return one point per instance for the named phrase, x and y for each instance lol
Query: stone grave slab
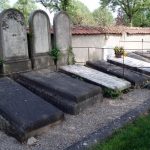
(96, 77)
(13, 43)
(135, 78)
(25, 113)
(131, 63)
(144, 54)
(40, 39)
(68, 94)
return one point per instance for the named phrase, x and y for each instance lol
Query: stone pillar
(62, 34)
(13, 43)
(40, 39)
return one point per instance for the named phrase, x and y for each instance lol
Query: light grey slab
(97, 77)
(132, 62)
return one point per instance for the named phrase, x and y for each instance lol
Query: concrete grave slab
(13, 42)
(135, 78)
(131, 63)
(68, 94)
(40, 39)
(27, 114)
(96, 77)
(144, 54)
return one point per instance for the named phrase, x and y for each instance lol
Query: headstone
(28, 115)
(137, 79)
(13, 42)
(40, 39)
(68, 94)
(96, 77)
(62, 34)
(132, 63)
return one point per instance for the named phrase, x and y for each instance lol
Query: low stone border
(108, 129)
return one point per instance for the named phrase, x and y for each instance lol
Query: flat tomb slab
(135, 78)
(24, 111)
(96, 77)
(135, 64)
(68, 94)
(144, 54)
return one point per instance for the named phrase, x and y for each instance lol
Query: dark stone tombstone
(40, 39)
(62, 34)
(13, 42)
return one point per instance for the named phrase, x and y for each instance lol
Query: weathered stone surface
(137, 56)
(62, 33)
(40, 39)
(25, 112)
(135, 64)
(96, 77)
(135, 78)
(68, 94)
(13, 42)
(144, 54)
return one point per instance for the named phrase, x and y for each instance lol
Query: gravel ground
(74, 128)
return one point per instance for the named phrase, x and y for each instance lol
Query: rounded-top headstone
(62, 31)
(13, 42)
(40, 29)
(13, 37)
(40, 39)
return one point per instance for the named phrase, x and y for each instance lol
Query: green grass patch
(134, 136)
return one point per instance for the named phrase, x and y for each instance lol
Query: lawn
(135, 136)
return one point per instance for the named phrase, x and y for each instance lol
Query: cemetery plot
(135, 78)
(24, 113)
(68, 94)
(131, 63)
(144, 54)
(96, 77)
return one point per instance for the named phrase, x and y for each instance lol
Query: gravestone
(131, 63)
(13, 42)
(40, 39)
(24, 113)
(68, 94)
(137, 79)
(62, 34)
(96, 77)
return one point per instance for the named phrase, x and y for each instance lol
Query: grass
(134, 136)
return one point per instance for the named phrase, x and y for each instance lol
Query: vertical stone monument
(13, 43)
(40, 39)
(62, 34)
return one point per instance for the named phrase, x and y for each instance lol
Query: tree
(4, 4)
(56, 5)
(26, 7)
(103, 17)
(129, 7)
(77, 11)
(142, 18)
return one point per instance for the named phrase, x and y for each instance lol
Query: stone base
(41, 62)
(11, 67)
(137, 79)
(22, 113)
(68, 94)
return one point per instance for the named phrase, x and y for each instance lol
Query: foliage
(119, 50)
(4, 4)
(55, 53)
(80, 14)
(109, 93)
(70, 57)
(133, 136)
(103, 17)
(129, 7)
(26, 7)
(1, 61)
